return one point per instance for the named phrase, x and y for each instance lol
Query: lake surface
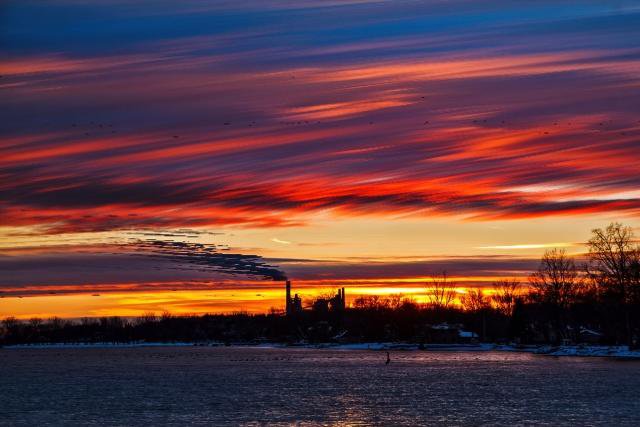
(256, 386)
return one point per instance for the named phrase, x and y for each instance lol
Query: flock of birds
(602, 126)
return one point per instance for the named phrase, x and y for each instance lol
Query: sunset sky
(356, 143)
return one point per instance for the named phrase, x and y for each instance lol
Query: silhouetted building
(447, 333)
(321, 305)
(338, 302)
(288, 297)
(335, 304)
(292, 305)
(590, 336)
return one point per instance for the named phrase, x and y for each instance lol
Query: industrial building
(294, 305)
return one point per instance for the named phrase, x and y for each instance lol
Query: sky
(188, 156)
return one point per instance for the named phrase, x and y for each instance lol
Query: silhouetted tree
(475, 302)
(560, 299)
(555, 285)
(440, 293)
(518, 323)
(505, 294)
(614, 265)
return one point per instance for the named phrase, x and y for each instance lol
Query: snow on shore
(579, 351)
(589, 351)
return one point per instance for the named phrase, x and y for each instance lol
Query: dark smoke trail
(209, 257)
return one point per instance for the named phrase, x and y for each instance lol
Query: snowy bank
(588, 351)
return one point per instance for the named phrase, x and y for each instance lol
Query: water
(252, 386)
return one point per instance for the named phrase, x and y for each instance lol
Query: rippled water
(251, 386)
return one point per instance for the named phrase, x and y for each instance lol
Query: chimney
(288, 296)
(344, 300)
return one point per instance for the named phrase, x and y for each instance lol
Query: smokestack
(288, 300)
(344, 300)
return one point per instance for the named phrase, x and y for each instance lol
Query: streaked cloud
(282, 242)
(274, 118)
(529, 246)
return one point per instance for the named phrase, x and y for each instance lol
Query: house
(442, 333)
(589, 336)
(467, 337)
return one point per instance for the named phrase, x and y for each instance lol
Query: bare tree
(440, 293)
(394, 301)
(557, 284)
(614, 265)
(474, 300)
(477, 303)
(35, 322)
(10, 327)
(557, 280)
(614, 259)
(148, 317)
(275, 311)
(369, 302)
(506, 292)
(391, 302)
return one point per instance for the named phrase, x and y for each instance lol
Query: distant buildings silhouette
(292, 305)
(337, 303)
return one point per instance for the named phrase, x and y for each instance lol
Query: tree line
(594, 298)
(565, 296)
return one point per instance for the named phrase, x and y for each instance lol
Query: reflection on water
(250, 386)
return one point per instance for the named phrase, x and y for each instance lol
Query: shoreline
(614, 352)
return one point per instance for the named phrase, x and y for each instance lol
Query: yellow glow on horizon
(198, 302)
(326, 239)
